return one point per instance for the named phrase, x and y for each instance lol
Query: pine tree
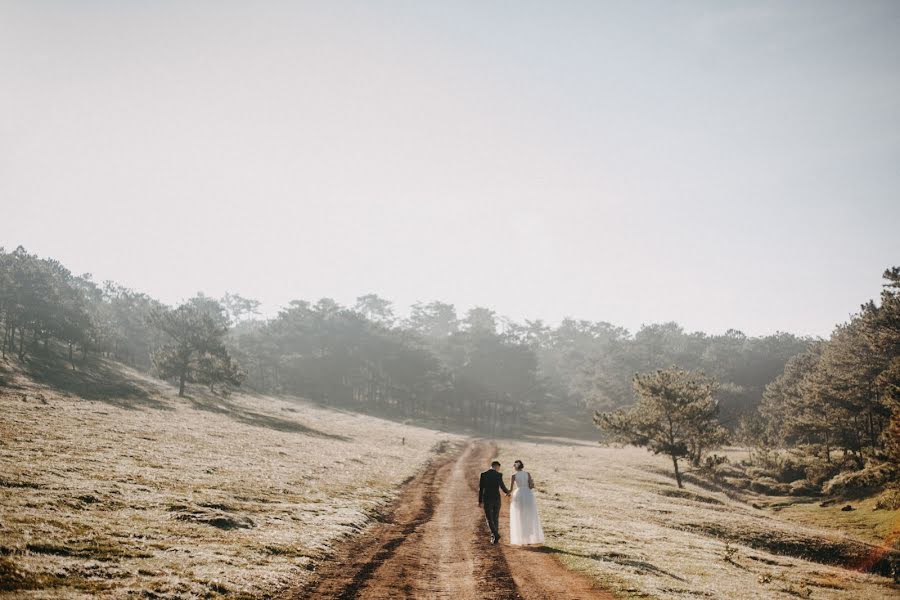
(675, 414)
(197, 350)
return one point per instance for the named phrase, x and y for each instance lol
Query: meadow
(121, 488)
(616, 514)
(157, 496)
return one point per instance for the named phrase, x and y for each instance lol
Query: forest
(836, 406)
(819, 414)
(477, 370)
(830, 422)
(820, 417)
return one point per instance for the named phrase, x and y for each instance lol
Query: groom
(489, 496)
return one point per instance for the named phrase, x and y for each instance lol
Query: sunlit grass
(864, 521)
(204, 496)
(617, 515)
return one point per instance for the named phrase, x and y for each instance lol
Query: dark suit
(489, 497)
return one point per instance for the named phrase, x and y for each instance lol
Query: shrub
(889, 499)
(818, 471)
(714, 460)
(872, 476)
(764, 457)
(727, 470)
(790, 469)
(769, 486)
(757, 472)
(741, 483)
(803, 487)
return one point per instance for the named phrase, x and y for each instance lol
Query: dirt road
(435, 544)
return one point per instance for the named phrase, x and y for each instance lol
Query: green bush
(818, 471)
(889, 499)
(790, 468)
(872, 476)
(769, 486)
(803, 487)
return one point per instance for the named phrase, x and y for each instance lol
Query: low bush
(741, 483)
(769, 486)
(819, 471)
(727, 470)
(803, 487)
(757, 472)
(872, 476)
(790, 468)
(889, 499)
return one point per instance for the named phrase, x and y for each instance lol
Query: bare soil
(435, 544)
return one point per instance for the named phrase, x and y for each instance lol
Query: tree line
(477, 369)
(836, 406)
(43, 305)
(830, 421)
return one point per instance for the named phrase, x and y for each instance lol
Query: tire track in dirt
(434, 544)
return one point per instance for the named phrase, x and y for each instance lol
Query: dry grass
(616, 514)
(865, 521)
(163, 497)
(141, 493)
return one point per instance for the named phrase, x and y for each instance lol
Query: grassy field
(112, 486)
(617, 515)
(138, 492)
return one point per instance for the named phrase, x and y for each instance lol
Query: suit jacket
(489, 487)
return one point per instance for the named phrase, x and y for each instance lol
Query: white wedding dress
(524, 523)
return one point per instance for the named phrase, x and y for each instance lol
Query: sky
(719, 164)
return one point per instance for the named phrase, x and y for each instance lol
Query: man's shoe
(493, 539)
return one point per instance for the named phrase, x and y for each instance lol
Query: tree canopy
(675, 414)
(477, 370)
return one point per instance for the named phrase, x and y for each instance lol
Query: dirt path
(435, 545)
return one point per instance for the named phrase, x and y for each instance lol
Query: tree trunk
(677, 473)
(873, 440)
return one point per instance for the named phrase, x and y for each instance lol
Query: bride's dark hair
(519, 464)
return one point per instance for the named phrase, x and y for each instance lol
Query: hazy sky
(722, 164)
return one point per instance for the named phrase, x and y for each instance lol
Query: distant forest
(475, 370)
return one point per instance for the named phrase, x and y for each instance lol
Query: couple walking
(524, 523)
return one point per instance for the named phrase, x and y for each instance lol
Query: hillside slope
(616, 514)
(137, 491)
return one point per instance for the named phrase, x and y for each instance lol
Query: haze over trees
(477, 369)
(42, 305)
(820, 414)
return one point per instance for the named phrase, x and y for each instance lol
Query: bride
(524, 523)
